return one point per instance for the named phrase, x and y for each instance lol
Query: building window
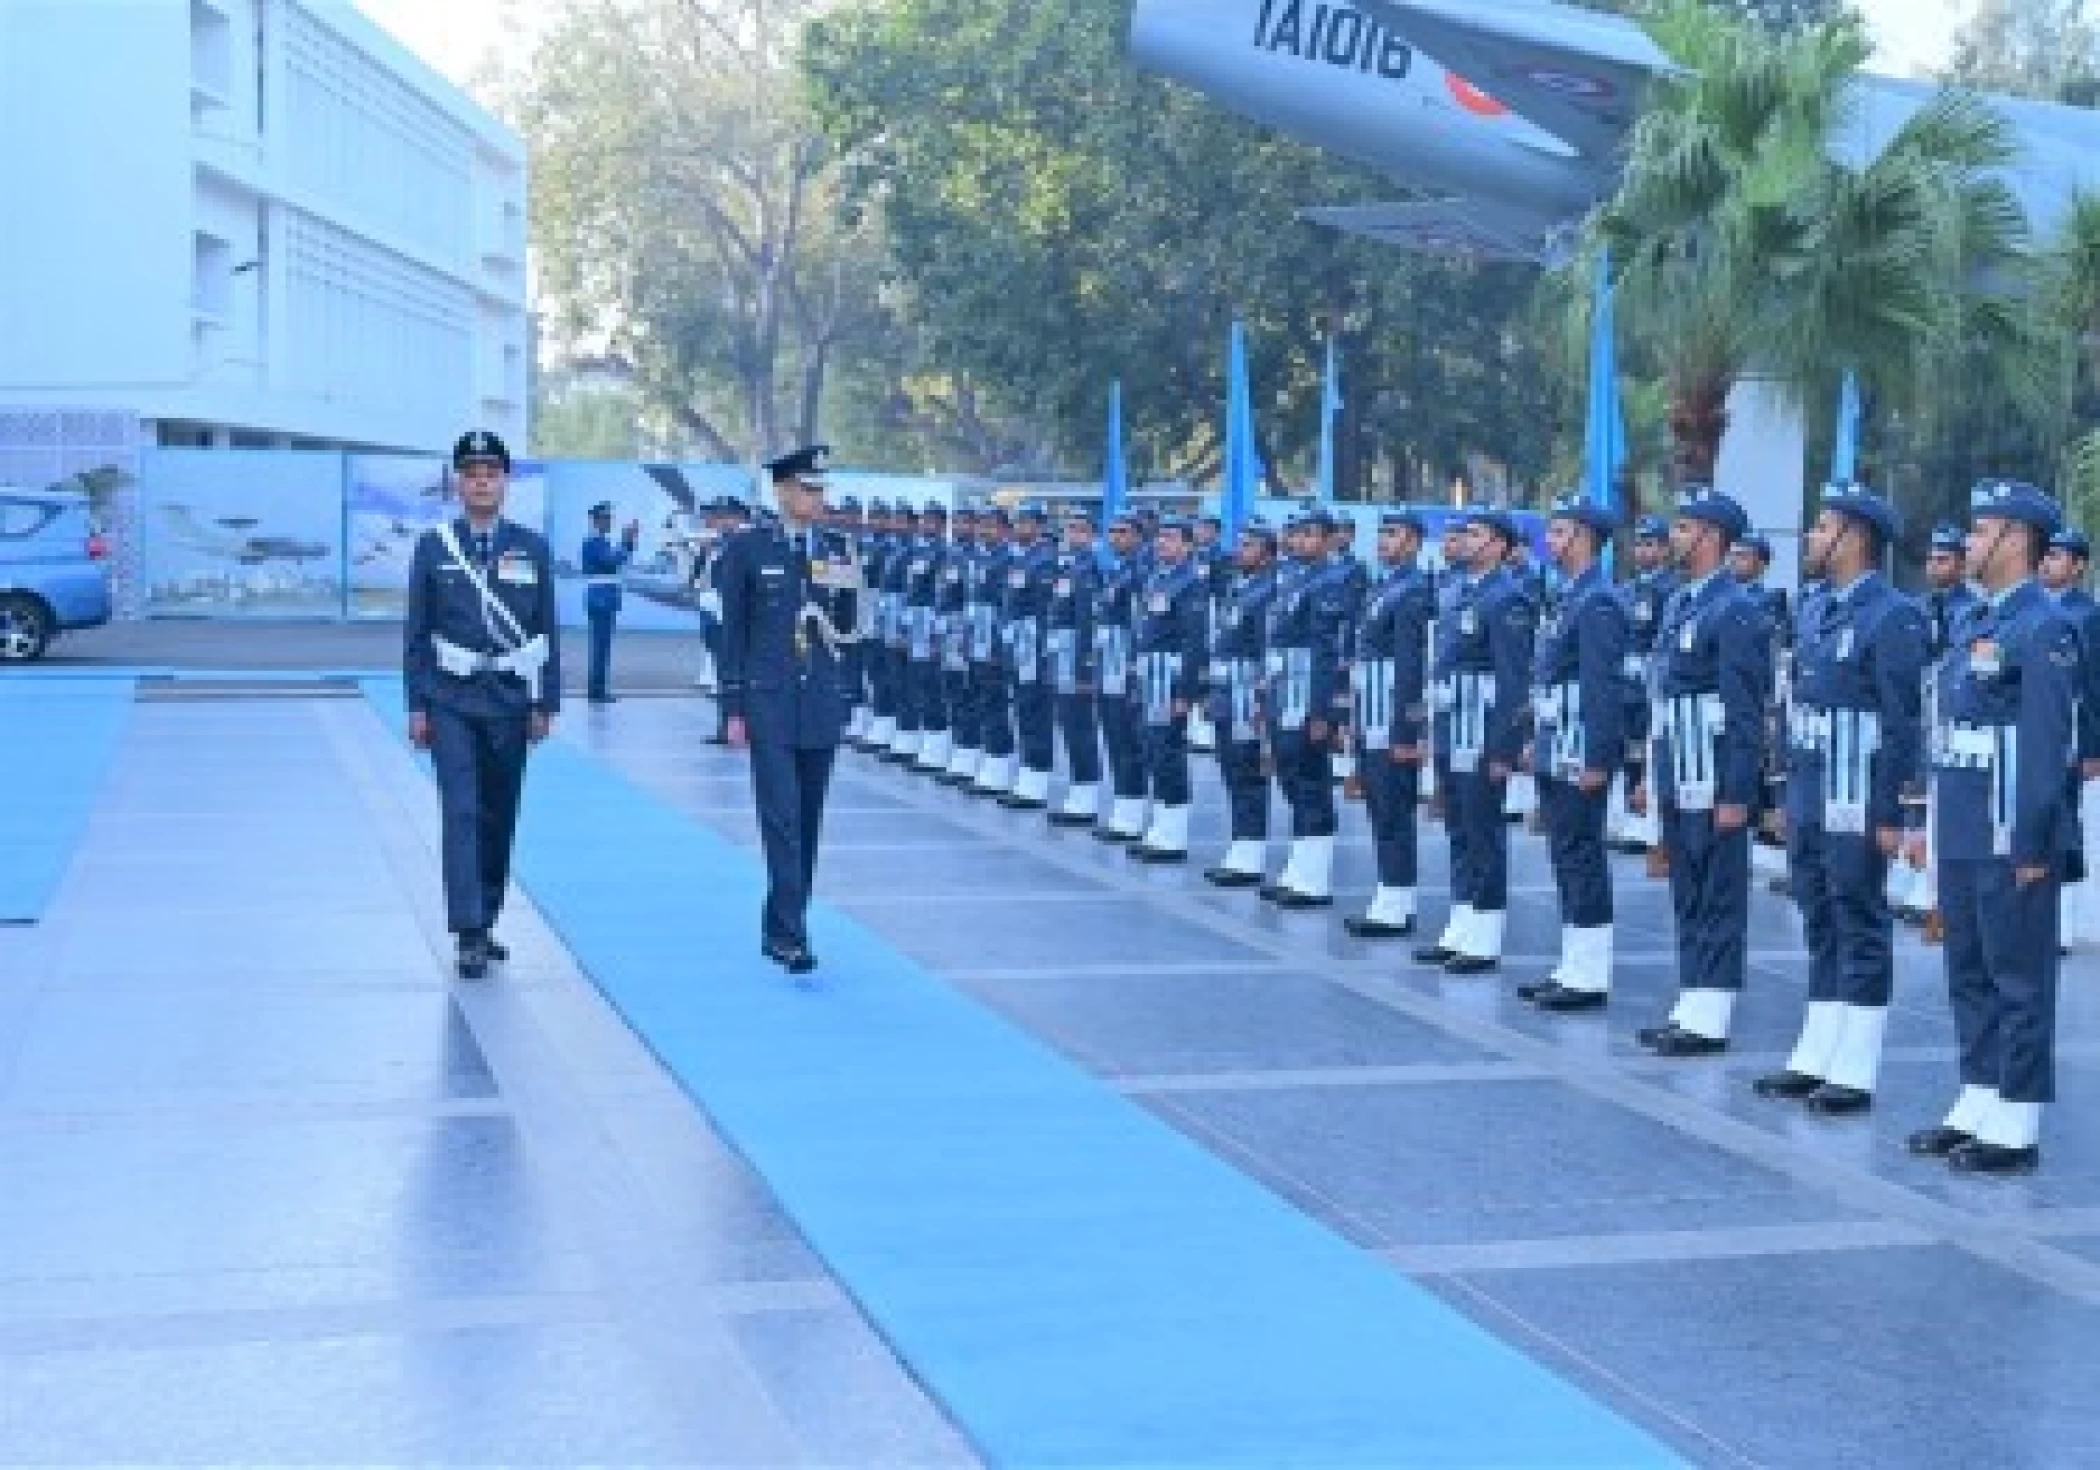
(211, 57)
(211, 275)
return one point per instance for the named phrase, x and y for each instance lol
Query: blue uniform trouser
(600, 673)
(1305, 775)
(1392, 793)
(995, 721)
(882, 690)
(2001, 975)
(480, 765)
(789, 784)
(1479, 840)
(1575, 841)
(930, 700)
(961, 699)
(1079, 724)
(1123, 735)
(1167, 761)
(1710, 894)
(908, 712)
(1035, 724)
(1246, 787)
(1840, 884)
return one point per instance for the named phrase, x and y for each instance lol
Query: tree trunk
(1698, 422)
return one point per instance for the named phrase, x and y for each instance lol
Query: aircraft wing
(1577, 74)
(1436, 227)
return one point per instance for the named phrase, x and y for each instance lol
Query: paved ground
(276, 1190)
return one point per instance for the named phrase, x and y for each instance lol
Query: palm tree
(1746, 246)
(2074, 306)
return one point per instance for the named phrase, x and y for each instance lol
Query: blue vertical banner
(1115, 474)
(1844, 461)
(1604, 432)
(1243, 471)
(1330, 410)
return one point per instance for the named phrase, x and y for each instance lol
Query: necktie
(481, 547)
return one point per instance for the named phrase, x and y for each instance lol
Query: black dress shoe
(1157, 855)
(1533, 989)
(1373, 929)
(604, 699)
(1435, 954)
(1231, 878)
(1070, 819)
(796, 959)
(1787, 1086)
(473, 959)
(1291, 898)
(1270, 892)
(1471, 964)
(1833, 1101)
(1110, 834)
(1938, 1143)
(1631, 849)
(495, 948)
(1978, 1157)
(1022, 803)
(718, 739)
(1678, 1042)
(1561, 1000)
(1650, 1036)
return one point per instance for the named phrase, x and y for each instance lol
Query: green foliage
(1056, 220)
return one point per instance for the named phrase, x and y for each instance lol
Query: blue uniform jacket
(1945, 609)
(442, 601)
(1239, 644)
(951, 605)
(2004, 733)
(1115, 595)
(985, 590)
(2084, 614)
(1579, 675)
(923, 560)
(1172, 627)
(1710, 679)
(1030, 572)
(603, 557)
(1855, 735)
(1068, 621)
(1392, 661)
(1485, 665)
(777, 667)
(1308, 643)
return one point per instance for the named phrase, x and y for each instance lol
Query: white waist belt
(602, 581)
(524, 662)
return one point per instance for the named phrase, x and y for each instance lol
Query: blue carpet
(1074, 1281)
(56, 740)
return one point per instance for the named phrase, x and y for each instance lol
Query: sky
(452, 34)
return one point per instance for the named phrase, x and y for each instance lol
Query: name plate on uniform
(517, 569)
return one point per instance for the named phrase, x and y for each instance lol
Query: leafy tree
(2045, 49)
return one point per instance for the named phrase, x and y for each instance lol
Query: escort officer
(952, 619)
(2005, 732)
(1029, 578)
(1122, 708)
(1578, 743)
(1708, 684)
(2063, 578)
(1070, 658)
(1647, 594)
(990, 683)
(922, 594)
(1856, 744)
(1233, 695)
(1305, 697)
(1390, 672)
(1169, 648)
(1484, 674)
(602, 561)
(481, 667)
(790, 599)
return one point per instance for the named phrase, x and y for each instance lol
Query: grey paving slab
(1918, 1357)
(1492, 1160)
(1121, 1025)
(844, 1392)
(1115, 931)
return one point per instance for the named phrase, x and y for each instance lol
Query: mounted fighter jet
(1503, 118)
(232, 538)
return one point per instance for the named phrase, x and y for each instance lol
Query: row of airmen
(1966, 718)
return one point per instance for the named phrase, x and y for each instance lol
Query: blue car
(54, 576)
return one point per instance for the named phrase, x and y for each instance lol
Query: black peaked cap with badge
(806, 464)
(479, 446)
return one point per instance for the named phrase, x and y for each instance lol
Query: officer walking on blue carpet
(1578, 743)
(603, 561)
(1708, 684)
(481, 668)
(790, 607)
(1855, 745)
(2002, 744)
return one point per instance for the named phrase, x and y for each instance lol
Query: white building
(254, 223)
